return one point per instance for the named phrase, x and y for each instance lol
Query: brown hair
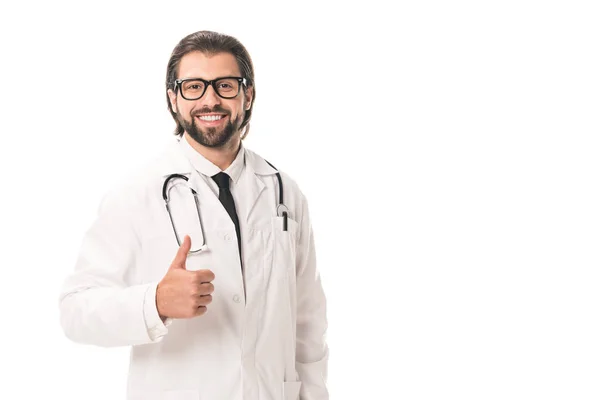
(211, 43)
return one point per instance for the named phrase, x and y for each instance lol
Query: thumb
(182, 252)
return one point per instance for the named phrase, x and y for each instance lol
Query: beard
(211, 137)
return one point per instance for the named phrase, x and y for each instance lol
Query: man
(219, 298)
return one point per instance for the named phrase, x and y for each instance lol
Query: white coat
(263, 335)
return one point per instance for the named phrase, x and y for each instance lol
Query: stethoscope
(282, 210)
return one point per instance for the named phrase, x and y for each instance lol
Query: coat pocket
(284, 247)
(291, 390)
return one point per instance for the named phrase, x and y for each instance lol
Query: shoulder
(262, 166)
(138, 182)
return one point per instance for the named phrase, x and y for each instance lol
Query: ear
(172, 99)
(249, 92)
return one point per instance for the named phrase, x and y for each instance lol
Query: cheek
(237, 108)
(184, 109)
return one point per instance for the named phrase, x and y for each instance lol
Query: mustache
(218, 110)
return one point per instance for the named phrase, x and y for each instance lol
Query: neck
(222, 157)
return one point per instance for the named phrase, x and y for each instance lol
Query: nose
(210, 98)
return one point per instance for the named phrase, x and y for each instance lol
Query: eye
(227, 86)
(194, 86)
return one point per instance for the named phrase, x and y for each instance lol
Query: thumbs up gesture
(182, 293)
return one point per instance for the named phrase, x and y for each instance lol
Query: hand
(182, 293)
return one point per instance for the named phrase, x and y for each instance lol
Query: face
(198, 116)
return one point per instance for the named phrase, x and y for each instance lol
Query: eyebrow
(218, 77)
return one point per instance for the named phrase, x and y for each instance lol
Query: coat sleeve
(312, 351)
(99, 303)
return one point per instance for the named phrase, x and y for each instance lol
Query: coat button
(236, 298)
(228, 237)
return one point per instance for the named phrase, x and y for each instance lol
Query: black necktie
(226, 199)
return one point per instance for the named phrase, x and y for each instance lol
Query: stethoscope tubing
(282, 210)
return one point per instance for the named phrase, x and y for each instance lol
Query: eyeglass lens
(194, 89)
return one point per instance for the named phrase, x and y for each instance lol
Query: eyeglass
(193, 88)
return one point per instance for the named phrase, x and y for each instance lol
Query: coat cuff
(156, 328)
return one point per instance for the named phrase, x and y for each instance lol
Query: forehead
(199, 65)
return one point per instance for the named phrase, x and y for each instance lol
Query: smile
(211, 120)
(210, 117)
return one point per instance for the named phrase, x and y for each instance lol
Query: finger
(206, 288)
(182, 252)
(205, 275)
(204, 300)
(201, 310)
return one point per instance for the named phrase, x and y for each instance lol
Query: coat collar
(175, 161)
(207, 168)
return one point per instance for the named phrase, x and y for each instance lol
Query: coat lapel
(255, 171)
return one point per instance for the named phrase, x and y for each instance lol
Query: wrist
(161, 316)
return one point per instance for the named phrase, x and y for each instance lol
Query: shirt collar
(206, 167)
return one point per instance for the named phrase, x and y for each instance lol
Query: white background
(449, 152)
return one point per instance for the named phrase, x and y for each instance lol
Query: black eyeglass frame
(179, 82)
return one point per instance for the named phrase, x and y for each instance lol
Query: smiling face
(211, 120)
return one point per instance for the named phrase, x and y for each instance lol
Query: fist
(182, 293)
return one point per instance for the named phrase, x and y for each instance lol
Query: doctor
(219, 297)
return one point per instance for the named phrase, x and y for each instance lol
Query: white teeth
(210, 117)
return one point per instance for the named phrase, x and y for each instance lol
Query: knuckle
(196, 279)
